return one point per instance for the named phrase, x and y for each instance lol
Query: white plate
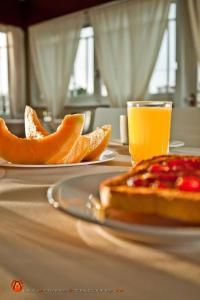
(107, 155)
(71, 196)
(176, 144)
(172, 144)
(186, 151)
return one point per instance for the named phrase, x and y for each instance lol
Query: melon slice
(88, 147)
(33, 127)
(78, 151)
(45, 149)
(35, 130)
(99, 139)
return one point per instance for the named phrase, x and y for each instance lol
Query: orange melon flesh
(78, 151)
(33, 127)
(43, 150)
(87, 147)
(99, 139)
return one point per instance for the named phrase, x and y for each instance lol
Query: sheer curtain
(186, 77)
(53, 46)
(194, 12)
(16, 69)
(128, 36)
(16, 63)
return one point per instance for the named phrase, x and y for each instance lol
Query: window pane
(172, 11)
(4, 100)
(163, 79)
(198, 82)
(104, 92)
(172, 55)
(158, 81)
(82, 80)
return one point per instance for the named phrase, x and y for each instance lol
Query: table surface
(59, 256)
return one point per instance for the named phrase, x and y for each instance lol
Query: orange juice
(149, 131)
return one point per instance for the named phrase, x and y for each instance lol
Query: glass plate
(107, 155)
(71, 196)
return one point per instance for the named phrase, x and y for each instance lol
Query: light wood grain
(47, 249)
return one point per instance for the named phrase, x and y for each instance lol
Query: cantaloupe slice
(33, 127)
(99, 139)
(43, 150)
(88, 147)
(78, 151)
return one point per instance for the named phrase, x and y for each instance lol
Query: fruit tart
(164, 190)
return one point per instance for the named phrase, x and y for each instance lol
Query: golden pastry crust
(183, 206)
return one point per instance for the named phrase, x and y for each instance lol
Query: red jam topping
(161, 185)
(156, 168)
(188, 183)
(182, 173)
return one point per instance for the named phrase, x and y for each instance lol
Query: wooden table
(65, 258)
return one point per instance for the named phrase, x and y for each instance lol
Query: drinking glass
(148, 128)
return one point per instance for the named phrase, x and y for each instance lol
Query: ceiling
(24, 13)
(10, 12)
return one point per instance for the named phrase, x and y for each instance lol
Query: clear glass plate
(71, 196)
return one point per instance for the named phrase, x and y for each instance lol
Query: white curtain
(16, 59)
(53, 46)
(16, 69)
(186, 75)
(194, 12)
(128, 36)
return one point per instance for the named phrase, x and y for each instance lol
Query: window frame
(96, 100)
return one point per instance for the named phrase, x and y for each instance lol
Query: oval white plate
(172, 144)
(107, 155)
(176, 144)
(186, 151)
(71, 196)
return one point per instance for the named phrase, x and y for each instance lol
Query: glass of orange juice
(148, 128)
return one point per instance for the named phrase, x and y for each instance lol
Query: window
(82, 80)
(163, 80)
(198, 86)
(85, 80)
(87, 83)
(4, 88)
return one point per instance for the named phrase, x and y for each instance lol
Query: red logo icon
(17, 285)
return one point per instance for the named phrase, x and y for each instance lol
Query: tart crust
(118, 199)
